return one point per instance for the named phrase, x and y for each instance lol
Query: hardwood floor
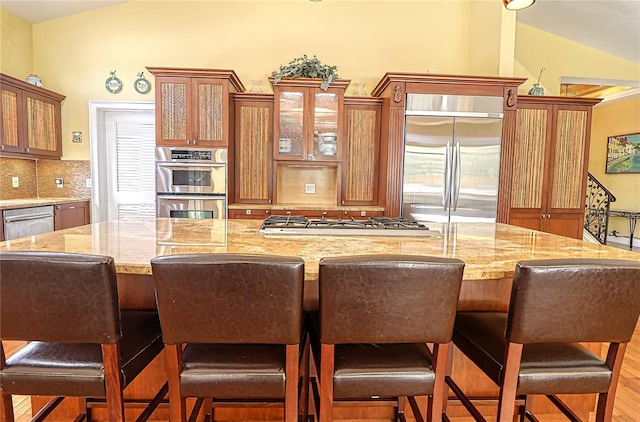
(627, 404)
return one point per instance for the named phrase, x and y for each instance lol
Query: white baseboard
(624, 240)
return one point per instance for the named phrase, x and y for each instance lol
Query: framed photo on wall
(623, 153)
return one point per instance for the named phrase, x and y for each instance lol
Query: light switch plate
(59, 181)
(310, 188)
(87, 183)
(15, 182)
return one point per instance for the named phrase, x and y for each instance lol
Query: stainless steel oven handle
(205, 197)
(26, 217)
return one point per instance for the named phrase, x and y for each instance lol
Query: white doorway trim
(97, 110)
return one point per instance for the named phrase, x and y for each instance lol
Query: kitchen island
(490, 252)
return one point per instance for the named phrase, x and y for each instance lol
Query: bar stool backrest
(229, 298)
(574, 300)
(58, 297)
(388, 299)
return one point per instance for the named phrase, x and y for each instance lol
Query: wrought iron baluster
(596, 214)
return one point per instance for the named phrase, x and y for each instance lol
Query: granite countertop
(489, 250)
(8, 204)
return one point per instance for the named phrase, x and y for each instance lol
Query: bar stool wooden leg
(173, 363)
(509, 382)
(604, 410)
(291, 383)
(113, 381)
(326, 382)
(6, 408)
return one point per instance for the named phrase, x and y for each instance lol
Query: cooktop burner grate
(289, 224)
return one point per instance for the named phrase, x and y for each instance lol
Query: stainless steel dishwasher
(30, 221)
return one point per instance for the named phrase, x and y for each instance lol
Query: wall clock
(113, 83)
(142, 85)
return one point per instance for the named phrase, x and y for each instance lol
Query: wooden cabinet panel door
(43, 128)
(173, 119)
(360, 164)
(10, 128)
(530, 157)
(208, 112)
(564, 224)
(568, 173)
(70, 215)
(253, 152)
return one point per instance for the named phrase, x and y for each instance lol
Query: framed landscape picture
(623, 153)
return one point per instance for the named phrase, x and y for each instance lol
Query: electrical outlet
(15, 182)
(310, 188)
(87, 183)
(59, 181)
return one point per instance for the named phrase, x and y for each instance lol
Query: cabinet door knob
(2, 147)
(188, 142)
(28, 149)
(266, 211)
(194, 142)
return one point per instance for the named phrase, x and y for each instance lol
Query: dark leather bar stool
(80, 343)
(534, 348)
(231, 325)
(377, 314)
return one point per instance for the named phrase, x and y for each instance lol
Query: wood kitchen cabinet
(361, 151)
(550, 164)
(250, 213)
(31, 122)
(308, 120)
(71, 214)
(194, 106)
(253, 163)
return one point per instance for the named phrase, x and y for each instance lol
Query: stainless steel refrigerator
(451, 157)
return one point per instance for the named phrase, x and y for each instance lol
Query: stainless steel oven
(192, 206)
(191, 183)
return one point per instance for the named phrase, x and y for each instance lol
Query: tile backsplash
(36, 178)
(73, 173)
(25, 171)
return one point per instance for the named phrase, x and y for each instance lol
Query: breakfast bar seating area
(489, 252)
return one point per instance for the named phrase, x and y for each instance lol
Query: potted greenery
(304, 67)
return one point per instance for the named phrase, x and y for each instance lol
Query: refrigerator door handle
(446, 194)
(456, 170)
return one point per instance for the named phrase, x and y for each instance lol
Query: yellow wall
(562, 57)
(74, 55)
(16, 45)
(609, 119)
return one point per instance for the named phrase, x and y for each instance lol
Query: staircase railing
(596, 214)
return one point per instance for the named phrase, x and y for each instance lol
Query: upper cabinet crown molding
(391, 78)
(9, 80)
(199, 73)
(567, 101)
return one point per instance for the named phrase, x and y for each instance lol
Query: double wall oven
(191, 183)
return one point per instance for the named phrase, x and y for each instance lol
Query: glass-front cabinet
(308, 120)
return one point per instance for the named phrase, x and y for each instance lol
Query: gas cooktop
(373, 226)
